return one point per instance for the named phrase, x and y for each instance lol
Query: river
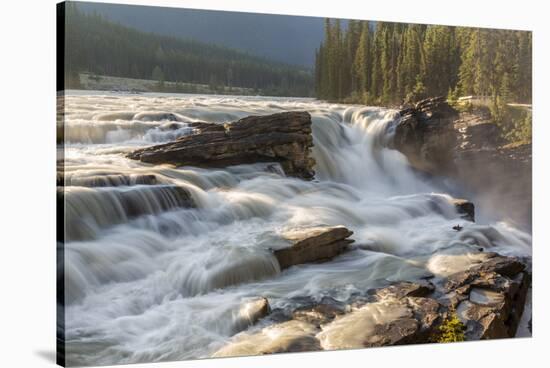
(149, 279)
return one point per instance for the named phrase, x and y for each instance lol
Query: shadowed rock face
(465, 208)
(282, 137)
(469, 148)
(426, 135)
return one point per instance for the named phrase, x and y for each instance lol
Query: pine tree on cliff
(352, 37)
(506, 67)
(386, 64)
(441, 60)
(477, 69)
(330, 81)
(394, 52)
(376, 77)
(411, 61)
(339, 63)
(362, 66)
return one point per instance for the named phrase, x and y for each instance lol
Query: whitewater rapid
(150, 278)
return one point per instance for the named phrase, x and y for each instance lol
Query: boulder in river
(282, 137)
(315, 244)
(465, 208)
(255, 309)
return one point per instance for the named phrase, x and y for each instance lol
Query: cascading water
(154, 272)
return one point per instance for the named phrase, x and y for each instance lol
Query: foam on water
(150, 278)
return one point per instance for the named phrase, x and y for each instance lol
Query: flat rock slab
(315, 244)
(486, 297)
(283, 137)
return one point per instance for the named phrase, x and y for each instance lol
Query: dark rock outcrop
(465, 208)
(282, 137)
(316, 244)
(426, 135)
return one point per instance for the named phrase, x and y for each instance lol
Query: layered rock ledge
(283, 137)
(316, 244)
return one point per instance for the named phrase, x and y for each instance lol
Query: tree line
(97, 46)
(386, 63)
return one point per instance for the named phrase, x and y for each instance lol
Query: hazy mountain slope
(288, 39)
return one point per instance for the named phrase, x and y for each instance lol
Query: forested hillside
(98, 46)
(283, 38)
(392, 63)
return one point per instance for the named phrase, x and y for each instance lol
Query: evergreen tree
(412, 61)
(400, 62)
(362, 62)
(441, 60)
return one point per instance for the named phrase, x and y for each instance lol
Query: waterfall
(160, 259)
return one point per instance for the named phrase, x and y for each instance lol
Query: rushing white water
(149, 278)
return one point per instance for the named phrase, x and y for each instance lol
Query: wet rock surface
(315, 244)
(251, 312)
(287, 337)
(283, 137)
(488, 298)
